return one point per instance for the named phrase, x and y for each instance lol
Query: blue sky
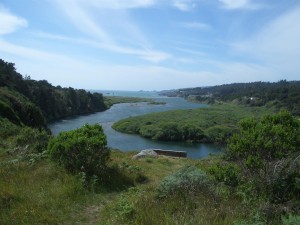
(151, 44)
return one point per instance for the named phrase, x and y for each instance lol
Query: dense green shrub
(191, 132)
(80, 150)
(219, 133)
(18, 109)
(7, 112)
(227, 173)
(7, 128)
(150, 131)
(272, 138)
(187, 180)
(127, 127)
(268, 154)
(170, 131)
(36, 140)
(283, 183)
(291, 220)
(32, 116)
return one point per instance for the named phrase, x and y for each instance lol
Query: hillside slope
(33, 103)
(282, 94)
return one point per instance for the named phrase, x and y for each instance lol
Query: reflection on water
(127, 142)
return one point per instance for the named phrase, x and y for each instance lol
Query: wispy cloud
(104, 36)
(10, 22)
(240, 4)
(82, 20)
(34, 54)
(147, 54)
(277, 44)
(195, 25)
(184, 5)
(190, 51)
(120, 4)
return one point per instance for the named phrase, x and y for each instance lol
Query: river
(129, 142)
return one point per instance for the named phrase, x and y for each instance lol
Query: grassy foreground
(45, 194)
(42, 193)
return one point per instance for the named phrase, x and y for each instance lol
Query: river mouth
(129, 142)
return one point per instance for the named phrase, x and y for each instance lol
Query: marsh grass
(111, 100)
(212, 124)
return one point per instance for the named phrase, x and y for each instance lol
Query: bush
(187, 180)
(7, 112)
(227, 173)
(255, 220)
(283, 182)
(219, 133)
(36, 140)
(272, 138)
(191, 132)
(291, 220)
(80, 150)
(268, 153)
(150, 131)
(7, 128)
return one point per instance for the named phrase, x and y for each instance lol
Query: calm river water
(128, 142)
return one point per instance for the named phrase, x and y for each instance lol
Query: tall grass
(181, 210)
(39, 194)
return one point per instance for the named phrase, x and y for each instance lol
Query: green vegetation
(217, 190)
(81, 150)
(111, 100)
(187, 180)
(282, 94)
(75, 179)
(212, 124)
(272, 138)
(156, 103)
(28, 102)
(19, 109)
(267, 152)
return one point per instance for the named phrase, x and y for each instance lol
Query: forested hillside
(282, 94)
(26, 101)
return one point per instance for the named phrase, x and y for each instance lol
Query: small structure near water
(172, 153)
(155, 152)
